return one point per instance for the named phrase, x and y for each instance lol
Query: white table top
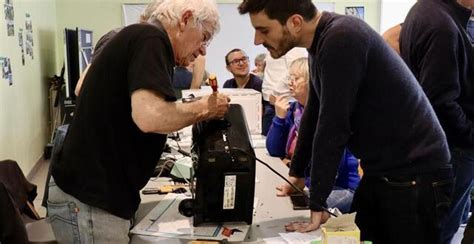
(272, 212)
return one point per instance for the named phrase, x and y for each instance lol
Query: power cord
(281, 176)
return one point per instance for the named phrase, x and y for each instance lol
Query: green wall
(372, 10)
(100, 16)
(24, 109)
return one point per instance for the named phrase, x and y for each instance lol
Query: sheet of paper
(301, 238)
(165, 221)
(275, 240)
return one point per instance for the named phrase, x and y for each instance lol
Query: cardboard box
(249, 99)
(341, 230)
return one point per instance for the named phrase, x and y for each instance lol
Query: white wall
(393, 12)
(236, 32)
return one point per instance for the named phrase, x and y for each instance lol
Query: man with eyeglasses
(237, 63)
(122, 119)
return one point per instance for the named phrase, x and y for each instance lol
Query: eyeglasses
(205, 41)
(292, 78)
(237, 61)
(295, 78)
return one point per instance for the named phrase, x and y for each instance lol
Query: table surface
(271, 214)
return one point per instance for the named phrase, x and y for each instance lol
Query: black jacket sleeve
(440, 78)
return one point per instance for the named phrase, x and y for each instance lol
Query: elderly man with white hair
(126, 108)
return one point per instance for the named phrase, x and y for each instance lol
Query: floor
(39, 179)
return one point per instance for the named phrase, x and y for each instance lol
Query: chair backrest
(21, 190)
(12, 229)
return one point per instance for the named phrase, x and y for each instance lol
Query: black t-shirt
(102, 42)
(106, 159)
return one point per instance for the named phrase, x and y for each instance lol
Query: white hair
(205, 13)
(301, 66)
(148, 11)
(260, 57)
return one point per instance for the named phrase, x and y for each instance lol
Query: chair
(12, 229)
(19, 221)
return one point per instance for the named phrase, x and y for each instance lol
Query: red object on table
(213, 82)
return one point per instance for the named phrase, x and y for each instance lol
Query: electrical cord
(281, 176)
(163, 166)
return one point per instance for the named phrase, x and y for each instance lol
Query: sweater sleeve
(342, 67)
(440, 78)
(277, 136)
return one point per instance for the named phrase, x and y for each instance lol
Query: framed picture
(357, 11)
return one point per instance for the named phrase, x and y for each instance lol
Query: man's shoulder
(429, 14)
(144, 29)
(229, 83)
(255, 78)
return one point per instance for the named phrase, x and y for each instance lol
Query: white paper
(165, 221)
(275, 240)
(301, 238)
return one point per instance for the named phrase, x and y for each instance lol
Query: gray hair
(260, 57)
(301, 66)
(148, 11)
(205, 13)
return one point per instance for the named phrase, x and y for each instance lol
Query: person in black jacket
(436, 47)
(364, 97)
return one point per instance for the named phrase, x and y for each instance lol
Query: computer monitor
(78, 52)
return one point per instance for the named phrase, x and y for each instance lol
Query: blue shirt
(347, 175)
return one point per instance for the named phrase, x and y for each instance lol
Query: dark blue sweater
(254, 83)
(436, 46)
(363, 95)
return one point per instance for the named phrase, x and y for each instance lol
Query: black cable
(274, 171)
(283, 177)
(184, 152)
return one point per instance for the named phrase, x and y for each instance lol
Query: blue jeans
(403, 209)
(463, 163)
(340, 198)
(76, 222)
(59, 136)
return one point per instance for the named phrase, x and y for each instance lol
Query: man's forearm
(179, 115)
(152, 113)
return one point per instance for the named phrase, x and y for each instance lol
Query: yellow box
(331, 236)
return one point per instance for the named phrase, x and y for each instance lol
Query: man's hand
(217, 105)
(281, 106)
(285, 189)
(317, 218)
